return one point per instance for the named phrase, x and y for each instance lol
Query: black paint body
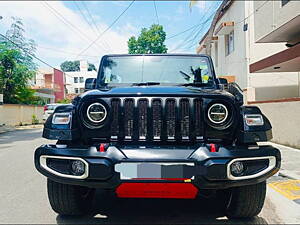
(232, 138)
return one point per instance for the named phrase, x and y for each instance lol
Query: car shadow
(111, 210)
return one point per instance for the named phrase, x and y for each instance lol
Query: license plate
(155, 170)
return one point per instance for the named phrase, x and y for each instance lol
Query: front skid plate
(157, 190)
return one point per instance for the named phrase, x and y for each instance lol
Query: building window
(229, 42)
(76, 90)
(81, 80)
(75, 79)
(284, 2)
(81, 90)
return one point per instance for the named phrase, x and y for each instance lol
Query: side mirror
(90, 83)
(223, 83)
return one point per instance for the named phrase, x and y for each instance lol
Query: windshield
(153, 69)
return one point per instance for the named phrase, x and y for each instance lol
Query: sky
(63, 30)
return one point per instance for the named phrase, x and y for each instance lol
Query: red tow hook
(103, 147)
(213, 148)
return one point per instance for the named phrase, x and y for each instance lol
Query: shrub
(34, 119)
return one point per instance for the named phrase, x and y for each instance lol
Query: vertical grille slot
(170, 118)
(185, 119)
(197, 119)
(115, 108)
(157, 119)
(128, 118)
(142, 118)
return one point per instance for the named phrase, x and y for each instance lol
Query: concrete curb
(289, 175)
(37, 126)
(284, 146)
(4, 129)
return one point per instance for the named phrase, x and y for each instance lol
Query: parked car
(49, 109)
(158, 126)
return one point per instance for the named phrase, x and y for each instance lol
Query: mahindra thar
(158, 126)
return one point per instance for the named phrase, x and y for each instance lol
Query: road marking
(290, 189)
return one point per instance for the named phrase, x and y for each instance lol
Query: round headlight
(217, 113)
(96, 112)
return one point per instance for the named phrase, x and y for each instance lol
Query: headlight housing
(96, 112)
(217, 113)
(61, 118)
(254, 120)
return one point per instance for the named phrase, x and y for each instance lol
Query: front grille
(151, 119)
(142, 118)
(171, 118)
(184, 118)
(157, 119)
(128, 118)
(115, 108)
(197, 118)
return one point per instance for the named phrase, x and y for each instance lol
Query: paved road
(23, 197)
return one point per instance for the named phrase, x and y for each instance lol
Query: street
(24, 198)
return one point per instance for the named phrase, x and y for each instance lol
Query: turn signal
(61, 118)
(254, 120)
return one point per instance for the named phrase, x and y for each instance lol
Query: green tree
(16, 66)
(64, 101)
(91, 67)
(150, 41)
(16, 38)
(71, 66)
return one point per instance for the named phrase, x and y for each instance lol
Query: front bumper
(210, 169)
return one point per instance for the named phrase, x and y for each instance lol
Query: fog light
(78, 167)
(237, 168)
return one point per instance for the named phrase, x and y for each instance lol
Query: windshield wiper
(185, 75)
(145, 84)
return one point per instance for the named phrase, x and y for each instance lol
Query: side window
(284, 2)
(229, 43)
(75, 79)
(81, 80)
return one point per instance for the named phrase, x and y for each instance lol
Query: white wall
(284, 117)
(15, 114)
(269, 85)
(70, 79)
(247, 51)
(235, 64)
(274, 15)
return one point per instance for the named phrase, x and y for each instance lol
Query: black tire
(68, 199)
(246, 201)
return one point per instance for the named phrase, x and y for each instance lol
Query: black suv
(158, 126)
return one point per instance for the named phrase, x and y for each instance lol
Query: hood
(162, 91)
